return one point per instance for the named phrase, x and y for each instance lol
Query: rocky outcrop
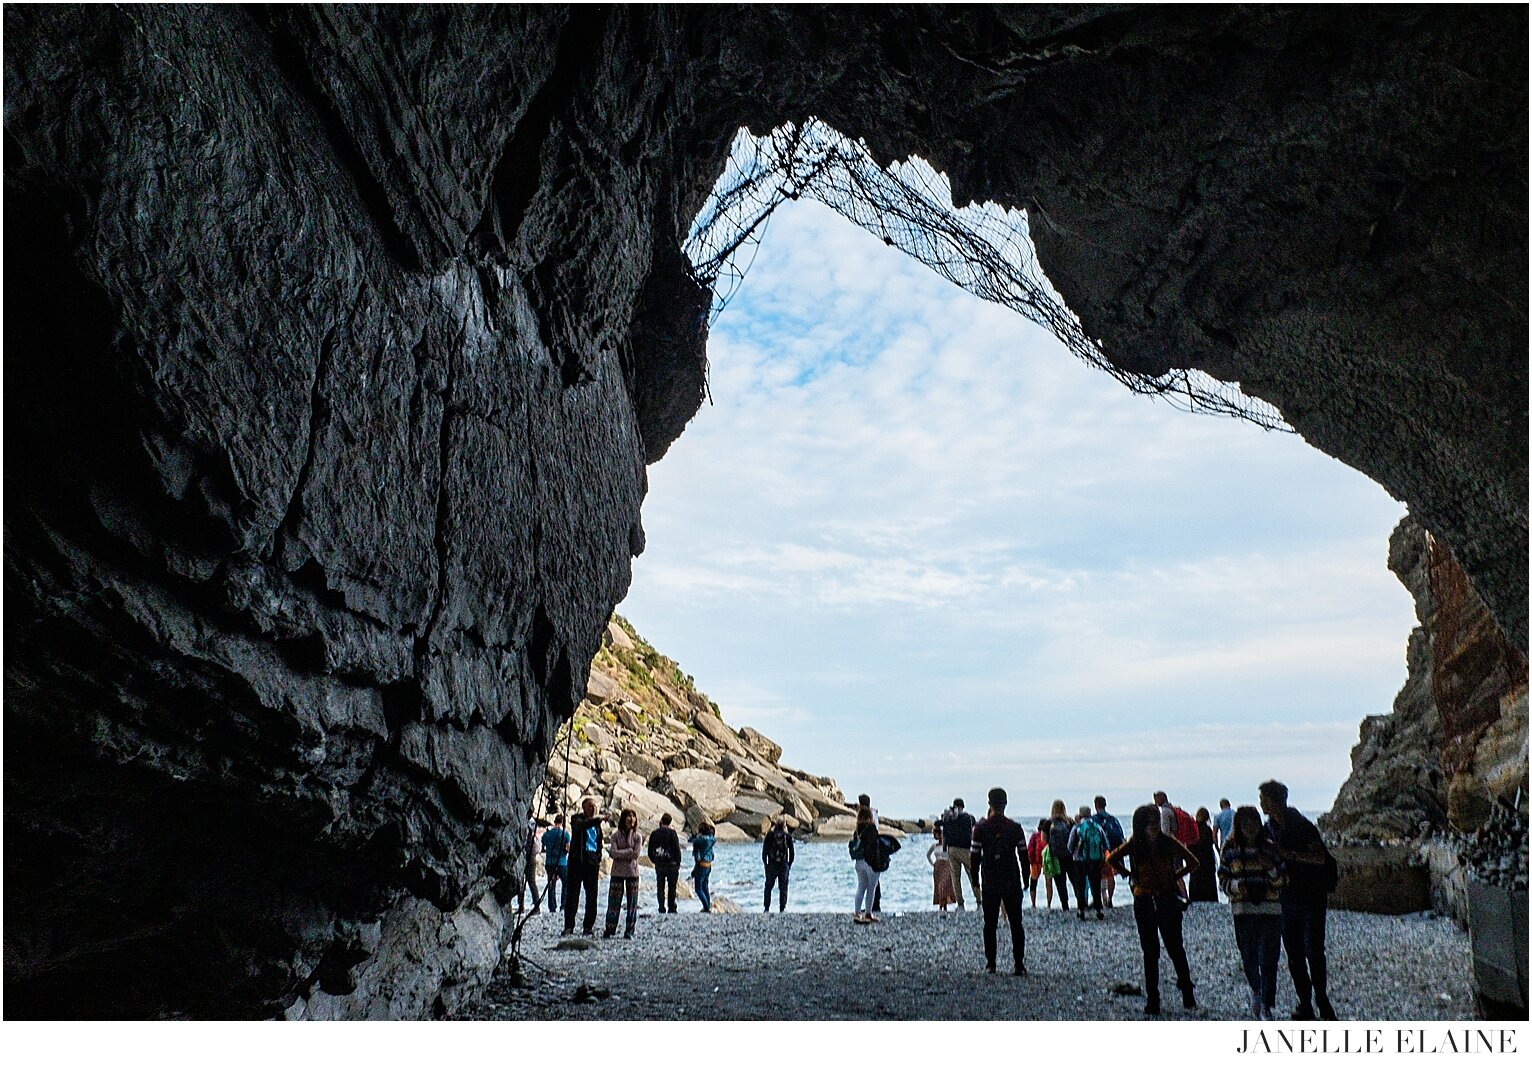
(646, 738)
(1455, 748)
(339, 338)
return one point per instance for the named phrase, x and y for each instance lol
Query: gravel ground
(929, 965)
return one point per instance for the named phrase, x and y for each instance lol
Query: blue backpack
(1111, 827)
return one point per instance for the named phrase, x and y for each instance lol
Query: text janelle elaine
(1450, 1039)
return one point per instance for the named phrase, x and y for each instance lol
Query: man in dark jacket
(777, 854)
(664, 851)
(957, 839)
(1000, 854)
(584, 866)
(1304, 900)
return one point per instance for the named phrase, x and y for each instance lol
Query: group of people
(1276, 875)
(572, 859)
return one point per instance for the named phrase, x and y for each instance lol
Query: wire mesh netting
(984, 249)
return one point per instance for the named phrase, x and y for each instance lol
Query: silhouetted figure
(777, 854)
(665, 854)
(1203, 886)
(1304, 899)
(1000, 852)
(1158, 862)
(584, 866)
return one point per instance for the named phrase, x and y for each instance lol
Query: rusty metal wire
(985, 249)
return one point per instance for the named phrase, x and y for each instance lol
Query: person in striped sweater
(1252, 875)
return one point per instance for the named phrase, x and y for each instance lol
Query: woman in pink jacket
(624, 850)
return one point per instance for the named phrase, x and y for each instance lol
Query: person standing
(702, 862)
(1114, 838)
(1000, 852)
(664, 850)
(1170, 827)
(1304, 899)
(530, 849)
(1158, 861)
(941, 870)
(555, 859)
(1036, 844)
(1204, 883)
(1058, 847)
(777, 854)
(957, 837)
(1087, 848)
(865, 849)
(626, 845)
(1223, 822)
(584, 867)
(865, 801)
(1251, 873)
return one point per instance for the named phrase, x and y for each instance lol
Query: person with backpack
(1176, 823)
(777, 854)
(1114, 838)
(867, 851)
(1037, 844)
(1158, 862)
(555, 858)
(1311, 877)
(702, 862)
(1087, 848)
(1058, 847)
(584, 867)
(1252, 874)
(664, 850)
(957, 837)
(1000, 849)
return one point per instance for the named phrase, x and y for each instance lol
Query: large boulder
(600, 689)
(760, 744)
(703, 790)
(649, 805)
(837, 827)
(644, 766)
(729, 834)
(713, 728)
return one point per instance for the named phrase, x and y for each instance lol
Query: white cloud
(909, 514)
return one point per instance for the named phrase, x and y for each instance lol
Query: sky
(918, 544)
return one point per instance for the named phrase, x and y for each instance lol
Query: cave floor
(929, 965)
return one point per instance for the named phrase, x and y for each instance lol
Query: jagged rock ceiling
(339, 338)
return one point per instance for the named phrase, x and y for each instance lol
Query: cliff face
(1455, 746)
(645, 738)
(339, 338)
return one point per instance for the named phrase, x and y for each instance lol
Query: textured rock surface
(339, 338)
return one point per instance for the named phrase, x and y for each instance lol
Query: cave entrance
(927, 553)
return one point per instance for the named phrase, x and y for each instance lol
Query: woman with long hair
(1059, 826)
(702, 862)
(626, 844)
(941, 871)
(1251, 873)
(1036, 844)
(1158, 860)
(1203, 885)
(865, 847)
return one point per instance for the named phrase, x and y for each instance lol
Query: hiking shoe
(989, 968)
(1100, 914)
(1187, 1000)
(1303, 1013)
(1082, 916)
(1021, 970)
(1326, 1009)
(569, 932)
(1152, 1006)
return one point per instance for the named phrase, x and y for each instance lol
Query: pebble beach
(927, 965)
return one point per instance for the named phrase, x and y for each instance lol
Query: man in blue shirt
(1304, 900)
(555, 858)
(1223, 822)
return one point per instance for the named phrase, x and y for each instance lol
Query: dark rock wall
(339, 337)
(325, 473)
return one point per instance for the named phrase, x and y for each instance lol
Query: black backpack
(1058, 838)
(776, 848)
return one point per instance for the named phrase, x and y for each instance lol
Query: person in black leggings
(1158, 861)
